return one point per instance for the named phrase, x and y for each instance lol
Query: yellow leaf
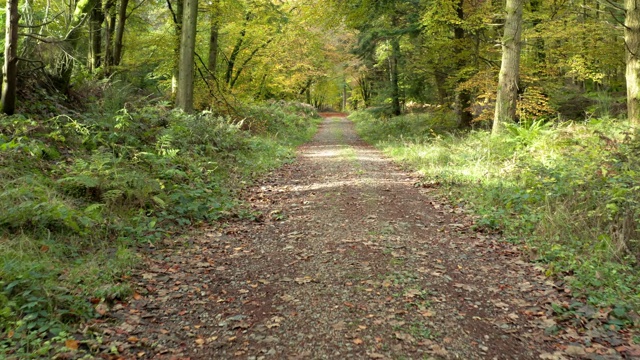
(71, 344)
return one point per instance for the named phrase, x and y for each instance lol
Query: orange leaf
(132, 339)
(357, 341)
(137, 296)
(71, 344)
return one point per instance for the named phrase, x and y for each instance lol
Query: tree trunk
(213, 43)
(10, 68)
(441, 85)
(184, 97)
(464, 97)
(117, 44)
(395, 87)
(95, 37)
(176, 67)
(110, 25)
(509, 70)
(632, 46)
(345, 96)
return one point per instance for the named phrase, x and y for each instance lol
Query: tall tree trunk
(110, 25)
(10, 68)
(395, 87)
(213, 40)
(117, 44)
(464, 97)
(177, 17)
(95, 36)
(632, 46)
(509, 70)
(184, 97)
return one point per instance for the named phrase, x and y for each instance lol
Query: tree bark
(110, 25)
(117, 44)
(632, 47)
(464, 97)
(184, 97)
(213, 41)
(509, 70)
(177, 17)
(213, 49)
(395, 87)
(95, 37)
(10, 68)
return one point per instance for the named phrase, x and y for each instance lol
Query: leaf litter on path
(364, 265)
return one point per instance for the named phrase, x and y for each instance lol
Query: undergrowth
(79, 193)
(569, 191)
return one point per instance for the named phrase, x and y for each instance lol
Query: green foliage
(410, 127)
(78, 191)
(568, 191)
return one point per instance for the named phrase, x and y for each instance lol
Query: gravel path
(346, 259)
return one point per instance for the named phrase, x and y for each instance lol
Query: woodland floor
(349, 260)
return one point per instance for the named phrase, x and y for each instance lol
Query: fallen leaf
(555, 356)
(575, 350)
(375, 356)
(358, 341)
(427, 313)
(404, 337)
(132, 339)
(200, 341)
(439, 350)
(303, 280)
(71, 344)
(102, 308)
(341, 325)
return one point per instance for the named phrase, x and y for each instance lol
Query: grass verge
(568, 192)
(79, 193)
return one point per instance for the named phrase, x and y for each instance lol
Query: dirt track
(346, 259)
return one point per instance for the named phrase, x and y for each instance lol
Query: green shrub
(77, 192)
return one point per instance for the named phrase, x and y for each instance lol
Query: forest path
(348, 260)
